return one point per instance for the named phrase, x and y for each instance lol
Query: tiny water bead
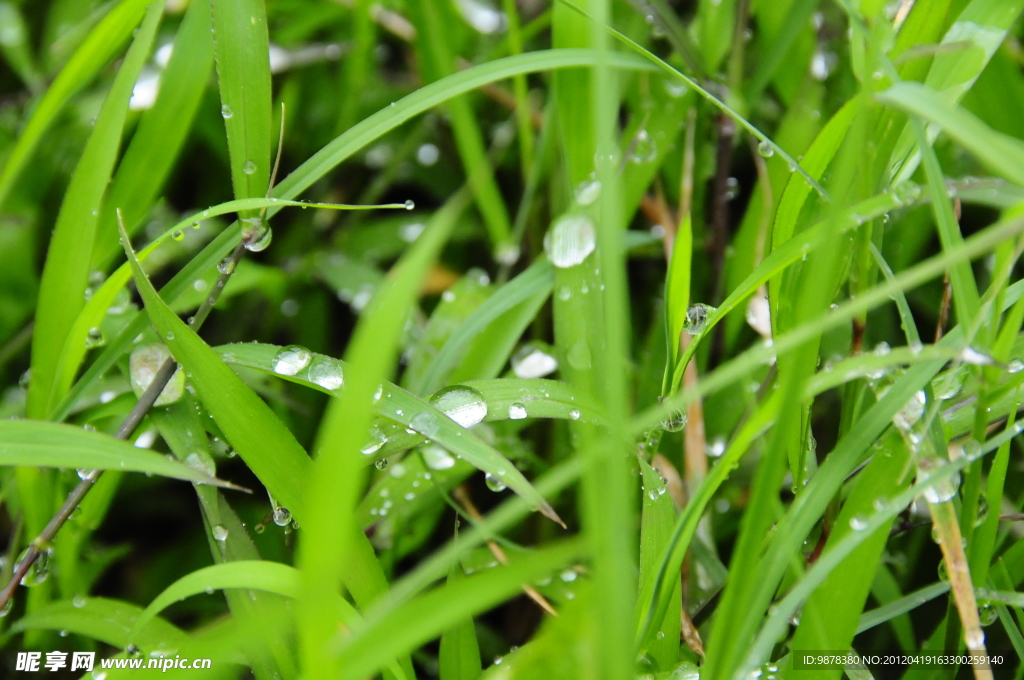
(716, 447)
(574, 414)
(697, 318)
(94, 338)
(766, 149)
(226, 266)
(494, 483)
(643, 149)
(226, 112)
(858, 523)
(144, 363)
(40, 569)
(291, 360)
(570, 240)
(464, 405)
(436, 457)
(220, 533)
(381, 463)
(516, 412)
(249, 167)
(326, 372)
(947, 385)
(943, 485)
(410, 205)
(587, 191)
(969, 355)
(177, 234)
(907, 417)
(425, 422)
(534, 360)
(907, 192)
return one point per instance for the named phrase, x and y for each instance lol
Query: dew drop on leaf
(464, 405)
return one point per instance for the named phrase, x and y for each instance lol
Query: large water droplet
(858, 523)
(969, 355)
(462, 404)
(697, 318)
(766, 149)
(377, 439)
(570, 240)
(220, 533)
(436, 457)
(517, 412)
(425, 422)
(494, 482)
(40, 569)
(291, 360)
(256, 234)
(907, 417)
(534, 360)
(143, 365)
(282, 516)
(226, 112)
(675, 421)
(249, 167)
(716, 447)
(587, 191)
(326, 372)
(381, 464)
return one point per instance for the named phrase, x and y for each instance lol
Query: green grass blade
(242, 50)
(459, 656)
(263, 442)
(656, 526)
(99, 48)
(876, 617)
(677, 287)
(161, 134)
(42, 444)
(70, 252)
(105, 620)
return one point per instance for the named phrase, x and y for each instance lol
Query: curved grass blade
(70, 252)
(108, 621)
(42, 444)
(878, 616)
(98, 49)
(259, 437)
(429, 96)
(411, 411)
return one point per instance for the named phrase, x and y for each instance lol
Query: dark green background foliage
(596, 339)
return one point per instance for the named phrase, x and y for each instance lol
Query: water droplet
(987, 614)
(78, 601)
(579, 355)
(381, 464)
(177, 234)
(643, 150)
(291, 360)
(766, 149)
(464, 405)
(569, 575)
(969, 355)
(974, 638)
(907, 192)
(326, 372)
(95, 338)
(220, 533)
(947, 385)
(675, 421)
(40, 569)
(971, 449)
(574, 414)
(1015, 366)
(534, 360)
(942, 489)
(907, 417)
(716, 447)
(494, 483)
(249, 167)
(570, 240)
(410, 232)
(516, 411)
(436, 457)
(377, 440)
(428, 154)
(697, 318)
(858, 523)
(226, 112)
(226, 266)
(282, 516)
(410, 205)
(144, 363)
(256, 234)
(425, 422)
(587, 191)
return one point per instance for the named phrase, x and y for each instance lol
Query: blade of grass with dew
(656, 523)
(434, 21)
(459, 655)
(242, 52)
(1002, 154)
(830, 615)
(69, 254)
(407, 409)
(95, 308)
(425, 617)
(42, 444)
(102, 619)
(332, 494)
(983, 24)
(536, 280)
(255, 432)
(99, 48)
(161, 134)
(429, 96)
